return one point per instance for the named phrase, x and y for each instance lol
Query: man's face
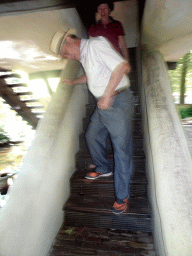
(103, 10)
(68, 49)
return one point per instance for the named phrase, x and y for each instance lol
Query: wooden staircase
(90, 227)
(17, 95)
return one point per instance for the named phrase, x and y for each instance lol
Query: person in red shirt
(109, 28)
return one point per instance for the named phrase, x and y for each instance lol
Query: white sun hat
(59, 39)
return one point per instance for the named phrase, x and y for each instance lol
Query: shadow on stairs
(90, 227)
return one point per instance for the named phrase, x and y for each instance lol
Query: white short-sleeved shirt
(99, 59)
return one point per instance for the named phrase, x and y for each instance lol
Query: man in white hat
(105, 73)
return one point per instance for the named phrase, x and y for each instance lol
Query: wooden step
(35, 106)
(136, 97)
(83, 162)
(133, 76)
(133, 85)
(23, 93)
(17, 85)
(96, 212)
(29, 100)
(98, 241)
(10, 75)
(105, 186)
(133, 59)
(38, 113)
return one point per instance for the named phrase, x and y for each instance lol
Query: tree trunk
(183, 77)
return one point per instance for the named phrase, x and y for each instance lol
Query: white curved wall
(127, 13)
(33, 214)
(168, 160)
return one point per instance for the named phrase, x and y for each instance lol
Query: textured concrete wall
(33, 215)
(127, 13)
(167, 24)
(168, 161)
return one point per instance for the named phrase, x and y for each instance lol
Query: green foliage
(4, 138)
(185, 112)
(175, 78)
(175, 75)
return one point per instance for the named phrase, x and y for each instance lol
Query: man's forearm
(115, 78)
(80, 80)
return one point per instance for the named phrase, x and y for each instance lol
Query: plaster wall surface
(188, 132)
(167, 25)
(168, 160)
(127, 13)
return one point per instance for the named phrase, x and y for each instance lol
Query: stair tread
(85, 187)
(85, 155)
(23, 93)
(17, 85)
(29, 100)
(79, 177)
(92, 241)
(102, 205)
(131, 222)
(83, 163)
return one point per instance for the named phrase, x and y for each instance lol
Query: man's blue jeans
(115, 122)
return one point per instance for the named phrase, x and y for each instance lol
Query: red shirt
(111, 31)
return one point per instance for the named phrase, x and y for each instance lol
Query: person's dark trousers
(116, 122)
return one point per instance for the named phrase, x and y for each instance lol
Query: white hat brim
(70, 31)
(59, 39)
